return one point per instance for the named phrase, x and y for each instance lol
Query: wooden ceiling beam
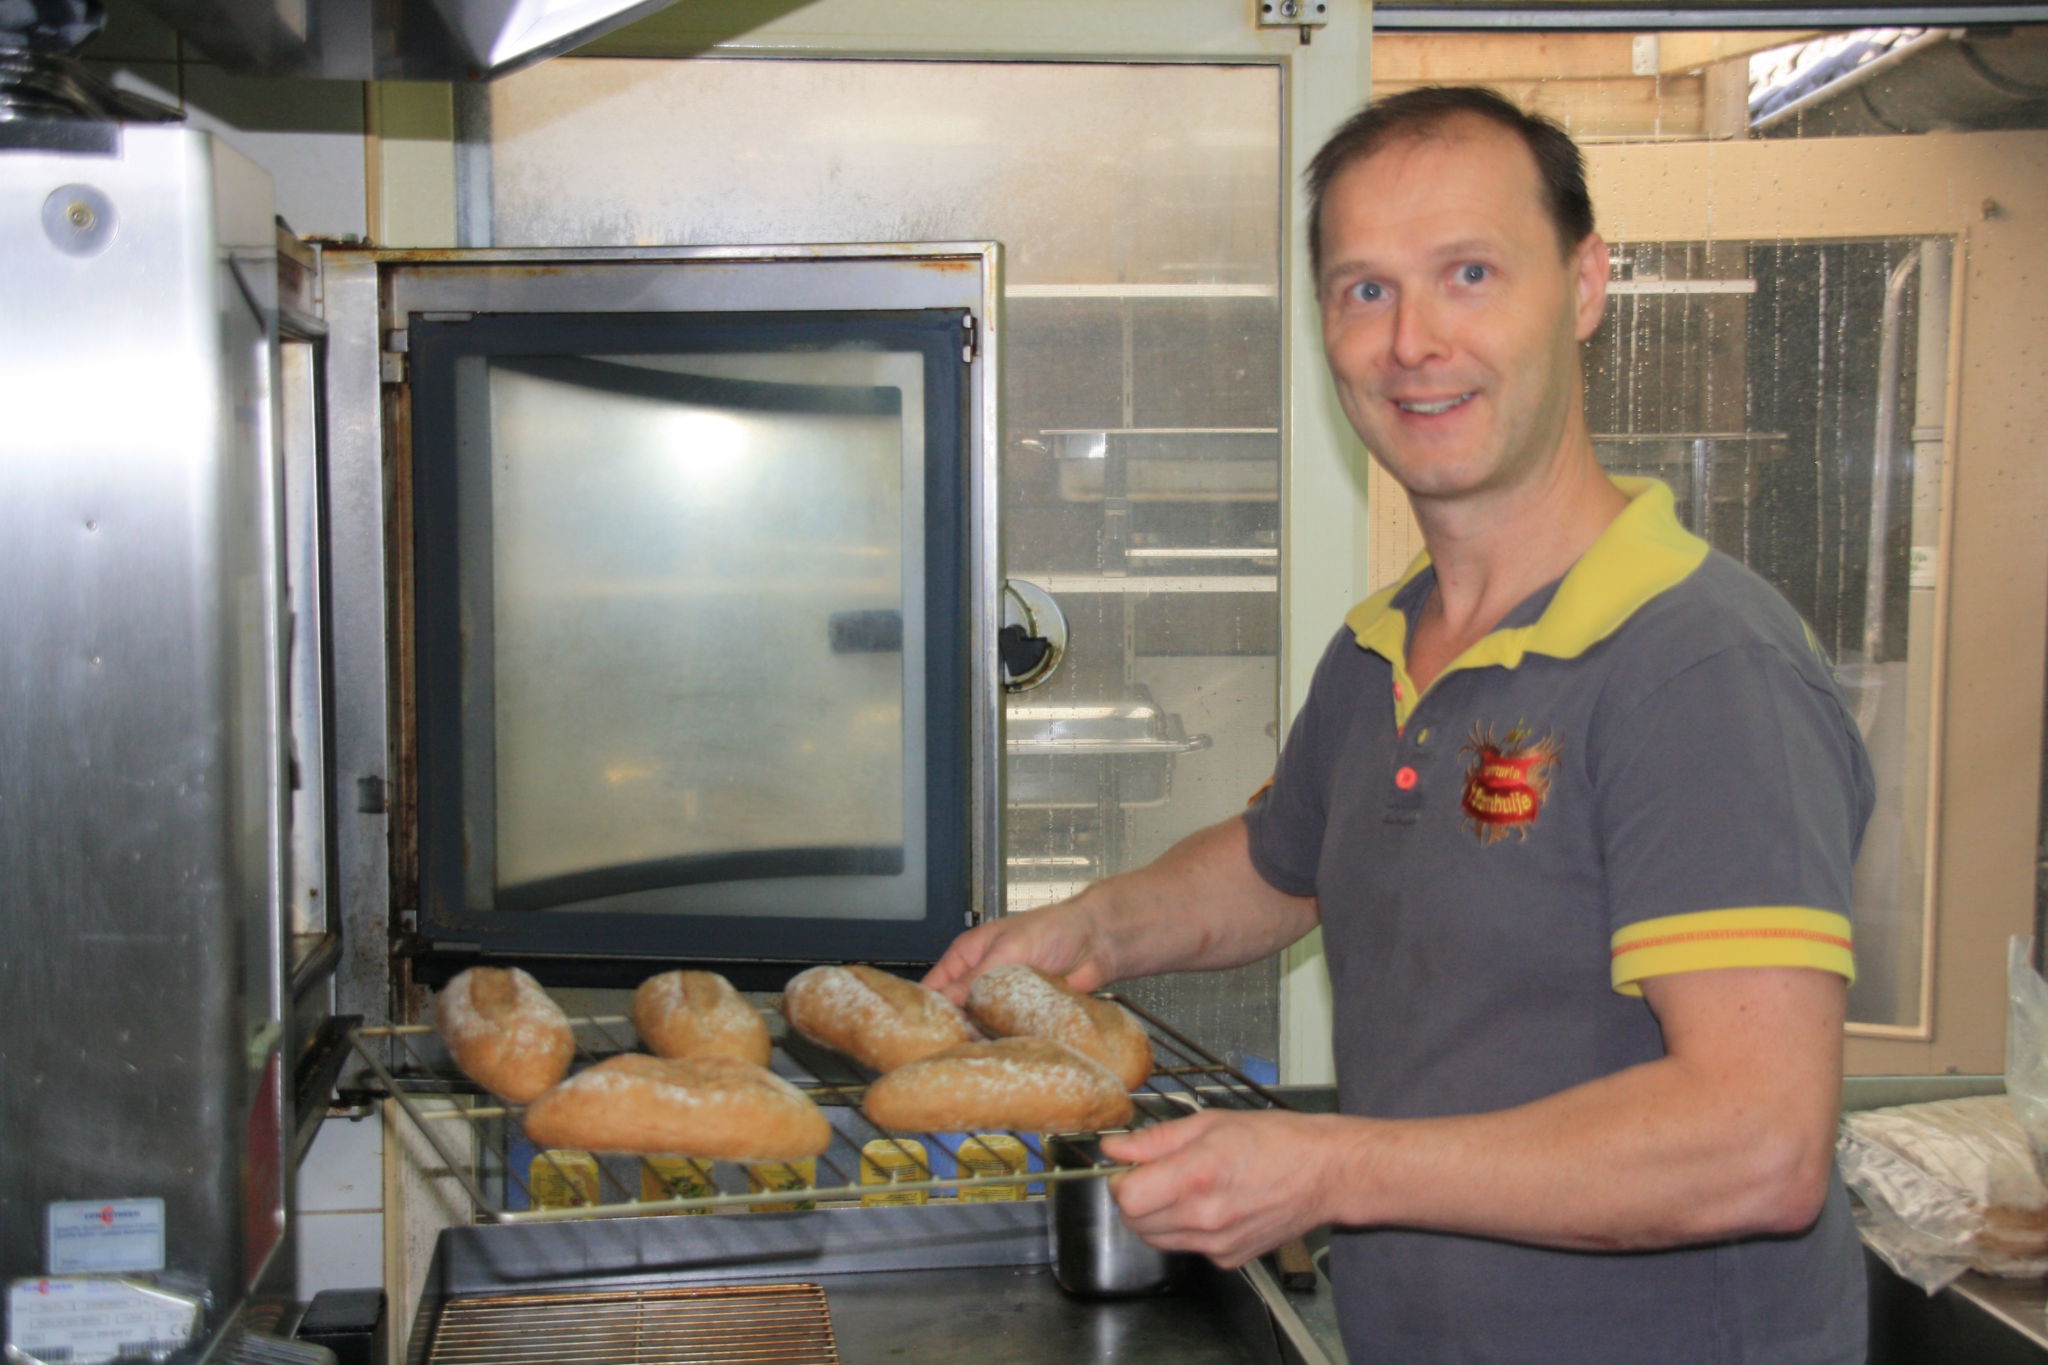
(1678, 52)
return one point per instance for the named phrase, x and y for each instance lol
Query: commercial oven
(687, 644)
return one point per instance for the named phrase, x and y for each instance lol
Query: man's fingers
(963, 960)
(1055, 940)
(1159, 1140)
(1156, 1185)
(1142, 1194)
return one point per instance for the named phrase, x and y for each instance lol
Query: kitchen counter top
(2019, 1305)
(1979, 1319)
(1017, 1315)
(940, 1282)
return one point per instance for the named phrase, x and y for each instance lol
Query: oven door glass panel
(688, 590)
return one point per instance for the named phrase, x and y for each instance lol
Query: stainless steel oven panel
(141, 703)
(367, 349)
(358, 503)
(717, 279)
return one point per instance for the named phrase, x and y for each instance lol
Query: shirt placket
(1415, 740)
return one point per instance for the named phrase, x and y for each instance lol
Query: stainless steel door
(141, 751)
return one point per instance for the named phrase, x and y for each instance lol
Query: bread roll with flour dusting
(713, 1108)
(879, 1020)
(1025, 1002)
(1030, 1084)
(504, 1032)
(699, 1014)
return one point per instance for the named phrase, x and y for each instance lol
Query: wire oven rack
(1186, 1077)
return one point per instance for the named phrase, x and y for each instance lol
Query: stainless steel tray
(406, 1060)
(1076, 754)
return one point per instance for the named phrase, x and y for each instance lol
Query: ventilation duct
(392, 39)
(1910, 82)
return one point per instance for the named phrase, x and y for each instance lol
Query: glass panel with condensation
(1791, 394)
(642, 507)
(1140, 209)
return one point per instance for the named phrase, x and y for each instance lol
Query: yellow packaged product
(993, 1154)
(562, 1179)
(890, 1161)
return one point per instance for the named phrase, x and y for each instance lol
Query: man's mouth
(1434, 408)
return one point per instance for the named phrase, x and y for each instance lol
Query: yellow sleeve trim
(1755, 936)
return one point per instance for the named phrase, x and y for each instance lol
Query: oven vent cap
(361, 40)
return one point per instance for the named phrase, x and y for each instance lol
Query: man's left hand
(1230, 1185)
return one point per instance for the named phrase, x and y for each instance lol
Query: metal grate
(767, 1324)
(1185, 1077)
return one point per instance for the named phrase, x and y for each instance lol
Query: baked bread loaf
(879, 1020)
(504, 1032)
(712, 1108)
(1021, 1001)
(699, 1014)
(1029, 1084)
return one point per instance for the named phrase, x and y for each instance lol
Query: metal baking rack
(1186, 1077)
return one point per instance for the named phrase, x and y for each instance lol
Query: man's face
(1451, 314)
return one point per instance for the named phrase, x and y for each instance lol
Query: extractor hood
(1871, 82)
(439, 40)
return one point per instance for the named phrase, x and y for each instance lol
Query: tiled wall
(308, 134)
(341, 1208)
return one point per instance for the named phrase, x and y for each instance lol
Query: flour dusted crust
(712, 1108)
(504, 1032)
(699, 1014)
(879, 1020)
(1025, 1002)
(1029, 1084)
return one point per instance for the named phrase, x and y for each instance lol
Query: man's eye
(1367, 292)
(1472, 274)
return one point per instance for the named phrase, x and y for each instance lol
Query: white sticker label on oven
(106, 1236)
(85, 1322)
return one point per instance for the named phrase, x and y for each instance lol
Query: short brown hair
(1421, 112)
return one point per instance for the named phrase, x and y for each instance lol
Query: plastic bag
(1921, 1225)
(1947, 1187)
(2026, 1048)
(1958, 1185)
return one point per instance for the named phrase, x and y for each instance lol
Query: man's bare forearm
(1200, 906)
(1729, 1135)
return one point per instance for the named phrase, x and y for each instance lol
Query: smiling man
(1575, 803)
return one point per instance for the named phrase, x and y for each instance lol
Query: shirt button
(1406, 779)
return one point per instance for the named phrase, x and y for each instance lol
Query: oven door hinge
(970, 340)
(398, 343)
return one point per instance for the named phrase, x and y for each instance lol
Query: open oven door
(697, 585)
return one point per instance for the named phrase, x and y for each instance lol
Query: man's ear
(1589, 284)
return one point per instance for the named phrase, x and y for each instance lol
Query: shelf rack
(1187, 1077)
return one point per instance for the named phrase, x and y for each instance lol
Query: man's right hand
(1199, 907)
(1060, 939)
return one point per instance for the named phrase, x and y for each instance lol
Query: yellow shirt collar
(1642, 553)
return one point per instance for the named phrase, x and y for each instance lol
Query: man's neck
(1491, 551)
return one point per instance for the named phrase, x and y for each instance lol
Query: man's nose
(1418, 337)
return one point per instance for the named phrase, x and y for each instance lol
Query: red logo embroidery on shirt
(1508, 782)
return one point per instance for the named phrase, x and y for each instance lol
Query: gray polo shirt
(1646, 768)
